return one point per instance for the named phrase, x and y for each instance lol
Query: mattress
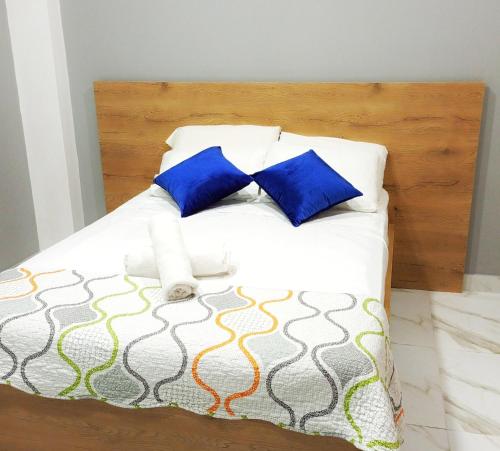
(339, 251)
(296, 335)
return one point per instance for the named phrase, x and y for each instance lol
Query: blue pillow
(305, 185)
(201, 180)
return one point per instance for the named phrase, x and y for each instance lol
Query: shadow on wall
(475, 246)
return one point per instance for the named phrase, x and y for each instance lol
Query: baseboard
(482, 282)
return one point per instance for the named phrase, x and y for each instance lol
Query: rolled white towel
(209, 261)
(172, 259)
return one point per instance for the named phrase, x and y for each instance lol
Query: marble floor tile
(482, 283)
(466, 441)
(421, 438)
(410, 320)
(467, 322)
(471, 389)
(447, 345)
(419, 375)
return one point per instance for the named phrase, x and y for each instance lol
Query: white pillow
(243, 145)
(203, 136)
(362, 164)
(245, 158)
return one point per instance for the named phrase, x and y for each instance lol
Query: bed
(281, 339)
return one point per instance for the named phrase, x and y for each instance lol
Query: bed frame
(431, 131)
(33, 423)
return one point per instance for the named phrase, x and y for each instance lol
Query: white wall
(296, 40)
(18, 235)
(45, 104)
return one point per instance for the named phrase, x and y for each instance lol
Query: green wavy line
(381, 333)
(371, 332)
(388, 445)
(366, 382)
(347, 403)
(109, 363)
(103, 315)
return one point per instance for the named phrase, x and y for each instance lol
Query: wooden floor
(34, 423)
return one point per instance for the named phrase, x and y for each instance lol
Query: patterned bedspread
(318, 363)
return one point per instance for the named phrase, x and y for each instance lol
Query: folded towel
(209, 261)
(172, 259)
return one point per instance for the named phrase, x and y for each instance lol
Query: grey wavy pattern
(291, 361)
(126, 352)
(321, 368)
(395, 406)
(9, 352)
(181, 345)
(23, 315)
(52, 327)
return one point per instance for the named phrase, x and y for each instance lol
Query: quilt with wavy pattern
(318, 363)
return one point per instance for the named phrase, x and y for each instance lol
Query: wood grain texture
(34, 423)
(430, 129)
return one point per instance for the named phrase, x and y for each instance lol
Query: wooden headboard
(430, 129)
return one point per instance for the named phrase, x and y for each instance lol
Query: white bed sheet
(340, 251)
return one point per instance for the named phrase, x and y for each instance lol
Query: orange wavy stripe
(34, 285)
(398, 416)
(26, 272)
(248, 355)
(194, 369)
